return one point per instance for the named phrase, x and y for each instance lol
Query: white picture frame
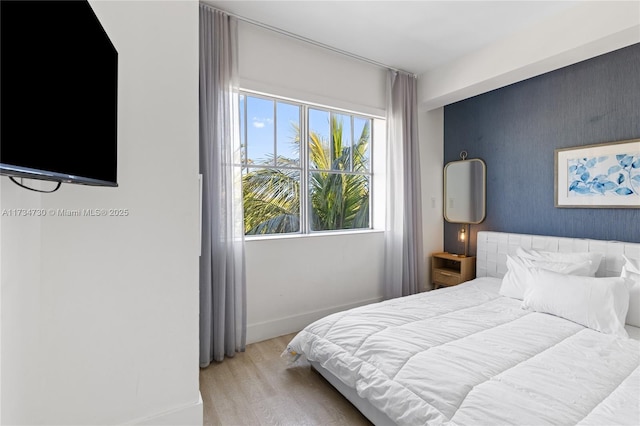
(605, 175)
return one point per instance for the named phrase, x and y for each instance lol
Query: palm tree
(338, 200)
(271, 201)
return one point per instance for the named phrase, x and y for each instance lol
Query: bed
(566, 351)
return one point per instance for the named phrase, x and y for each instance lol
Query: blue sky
(261, 122)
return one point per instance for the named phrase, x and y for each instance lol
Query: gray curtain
(222, 270)
(404, 262)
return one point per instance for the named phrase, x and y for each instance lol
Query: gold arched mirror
(465, 191)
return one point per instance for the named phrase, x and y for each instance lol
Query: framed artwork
(598, 176)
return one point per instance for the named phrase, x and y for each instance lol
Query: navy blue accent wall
(516, 129)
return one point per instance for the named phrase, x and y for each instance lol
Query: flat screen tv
(58, 90)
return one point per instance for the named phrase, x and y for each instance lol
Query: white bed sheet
(467, 356)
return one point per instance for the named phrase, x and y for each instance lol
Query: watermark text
(98, 212)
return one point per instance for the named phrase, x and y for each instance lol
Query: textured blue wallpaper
(516, 129)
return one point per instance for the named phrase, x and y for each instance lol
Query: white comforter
(467, 356)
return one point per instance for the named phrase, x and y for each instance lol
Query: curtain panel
(404, 258)
(222, 261)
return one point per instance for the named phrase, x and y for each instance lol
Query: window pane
(340, 142)
(288, 134)
(271, 201)
(338, 201)
(336, 149)
(319, 151)
(362, 145)
(260, 143)
(243, 141)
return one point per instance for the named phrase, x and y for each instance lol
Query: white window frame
(377, 130)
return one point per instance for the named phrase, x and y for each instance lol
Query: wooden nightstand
(448, 269)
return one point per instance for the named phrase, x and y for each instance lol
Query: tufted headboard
(493, 248)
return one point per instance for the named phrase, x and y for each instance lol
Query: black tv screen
(58, 90)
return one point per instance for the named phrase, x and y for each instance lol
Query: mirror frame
(483, 188)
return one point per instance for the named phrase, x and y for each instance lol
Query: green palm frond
(282, 224)
(269, 194)
(338, 200)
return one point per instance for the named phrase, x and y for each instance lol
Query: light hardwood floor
(258, 387)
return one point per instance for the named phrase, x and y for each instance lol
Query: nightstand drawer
(449, 269)
(446, 278)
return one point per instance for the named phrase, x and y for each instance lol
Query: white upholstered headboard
(493, 248)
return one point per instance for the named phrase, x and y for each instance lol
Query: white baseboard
(258, 332)
(190, 415)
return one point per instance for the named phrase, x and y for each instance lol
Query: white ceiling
(414, 36)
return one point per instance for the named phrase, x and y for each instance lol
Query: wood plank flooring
(258, 387)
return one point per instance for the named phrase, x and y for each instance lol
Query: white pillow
(514, 282)
(631, 271)
(549, 259)
(597, 303)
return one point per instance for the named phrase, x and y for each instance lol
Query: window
(304, 168)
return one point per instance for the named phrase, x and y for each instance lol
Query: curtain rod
(306, 40)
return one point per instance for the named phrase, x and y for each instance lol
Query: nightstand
(449, 269)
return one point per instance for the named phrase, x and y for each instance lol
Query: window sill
(313, 235)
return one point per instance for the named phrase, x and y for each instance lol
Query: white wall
(274, 63)
(431, 134)
(100, 314)
(293, 281)
(20, 300)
